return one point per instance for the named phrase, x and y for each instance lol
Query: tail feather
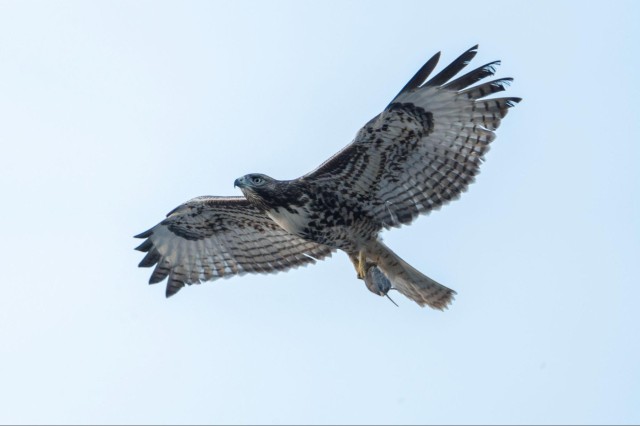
(409, 281)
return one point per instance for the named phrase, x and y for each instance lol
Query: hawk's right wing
(425, 148)
(213, 237)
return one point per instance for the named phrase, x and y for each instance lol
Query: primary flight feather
(422, 151)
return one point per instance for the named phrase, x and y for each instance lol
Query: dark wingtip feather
(473, 76)
(145, 234)
(150, 259)
(513, 101)
(453, 68)
(421, 76)
(486, 89)
(501, 83)
(173, 286)
(145, 246)
(158, 274)
(423, 73)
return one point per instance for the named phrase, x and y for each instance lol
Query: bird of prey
(422, 151)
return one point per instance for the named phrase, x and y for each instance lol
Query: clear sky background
(112, 113)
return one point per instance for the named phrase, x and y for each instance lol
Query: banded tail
(408, 280)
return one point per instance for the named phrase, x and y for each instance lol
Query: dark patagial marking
(425, 118)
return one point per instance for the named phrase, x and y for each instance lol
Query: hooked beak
(240, 182)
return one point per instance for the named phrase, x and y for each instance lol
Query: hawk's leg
(360, 263)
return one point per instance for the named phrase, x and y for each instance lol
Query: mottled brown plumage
(421, 152)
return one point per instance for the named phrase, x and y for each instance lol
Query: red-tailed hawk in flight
(422, 151)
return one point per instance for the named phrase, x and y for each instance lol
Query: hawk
(421, 152)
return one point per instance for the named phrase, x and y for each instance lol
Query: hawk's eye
(256, 180)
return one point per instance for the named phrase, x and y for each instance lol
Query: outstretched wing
(425, 148)
(212, 237)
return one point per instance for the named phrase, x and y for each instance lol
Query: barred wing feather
(213, 237)
(426, 147)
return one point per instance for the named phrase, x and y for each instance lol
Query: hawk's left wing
(214, 237)
(425, 148)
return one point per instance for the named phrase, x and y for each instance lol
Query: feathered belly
(324, 229)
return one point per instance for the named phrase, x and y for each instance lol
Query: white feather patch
(295, 221)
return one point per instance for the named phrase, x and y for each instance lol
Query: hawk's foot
(361, 267)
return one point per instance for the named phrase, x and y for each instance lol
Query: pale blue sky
(112, 113)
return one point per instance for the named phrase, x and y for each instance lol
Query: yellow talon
(360, 267)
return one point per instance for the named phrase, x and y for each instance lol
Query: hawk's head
(253, 182)
(258, 188)
(268, 193)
